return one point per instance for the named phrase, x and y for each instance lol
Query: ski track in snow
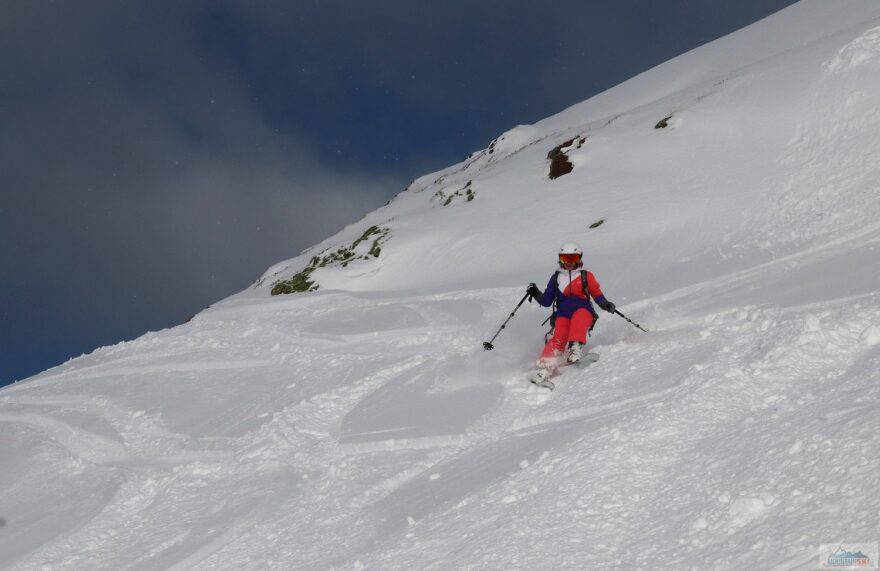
(368, 430)
(740, 368)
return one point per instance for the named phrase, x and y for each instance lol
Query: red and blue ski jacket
(566, 288)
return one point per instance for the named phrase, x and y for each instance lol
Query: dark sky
(158, 156)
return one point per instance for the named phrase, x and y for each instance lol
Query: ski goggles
(569, 258)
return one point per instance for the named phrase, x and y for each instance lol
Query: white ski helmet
(570, 253)
(571, 248)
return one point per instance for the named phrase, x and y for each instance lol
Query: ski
(544, 384)
(587, 359)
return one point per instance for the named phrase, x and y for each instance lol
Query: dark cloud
(140, 180)
(157, 156)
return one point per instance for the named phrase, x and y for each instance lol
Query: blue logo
(842, 558)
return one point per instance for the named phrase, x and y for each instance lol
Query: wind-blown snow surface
(363, 427)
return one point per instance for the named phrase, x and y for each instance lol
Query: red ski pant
(567, 330)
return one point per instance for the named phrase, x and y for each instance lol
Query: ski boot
(540, 376)
(575, 352)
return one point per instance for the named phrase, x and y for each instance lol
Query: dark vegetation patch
(492, 143)
(663, 123)
(364, 248)
(559, 163)
(467, 193)
(298, 283)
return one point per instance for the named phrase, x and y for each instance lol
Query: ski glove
(534, 292)
(606, 305)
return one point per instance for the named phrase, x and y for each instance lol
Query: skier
(570, 288)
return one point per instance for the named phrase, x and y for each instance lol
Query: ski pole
(487, 345)
(630, 320)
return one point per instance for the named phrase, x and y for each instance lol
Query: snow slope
(361, 426)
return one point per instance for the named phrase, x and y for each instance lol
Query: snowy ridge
(361, 426)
